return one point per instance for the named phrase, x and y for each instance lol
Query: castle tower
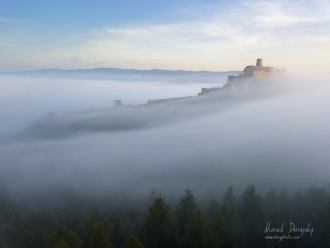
(260, 62)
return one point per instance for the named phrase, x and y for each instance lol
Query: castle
(249, 72)
(243, 79)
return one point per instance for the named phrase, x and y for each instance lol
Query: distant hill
(178, 76)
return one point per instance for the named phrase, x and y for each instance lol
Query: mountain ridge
(116, 70)
(174, 76)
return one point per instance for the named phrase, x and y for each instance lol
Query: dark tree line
(230, 221)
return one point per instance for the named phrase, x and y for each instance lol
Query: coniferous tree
(212, 207)
(298, 208)
(2, 245)
(198, 234)
(99, 238)
(60, 233)
(270, 202)
(321, 220)
(229, 198)
(10, 235)
(70, 239)
(73, 241)
(151, 198)
(224, 227)
(117, 233)
(38, 238)
(273, 214)
(61, 244)
(290, 243)
(5, 208)
(252, 220)
(158, 228)
(89, 226)
(314, 197)
(132, 242)
(185, 211)
(74, 221)
(284, 206)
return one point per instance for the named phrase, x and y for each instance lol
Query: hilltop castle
(244, 79)
(249, 72)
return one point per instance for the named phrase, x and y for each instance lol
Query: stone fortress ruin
(257, 70)
(249, 73)
(244, 79)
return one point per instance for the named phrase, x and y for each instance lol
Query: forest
(234, 219)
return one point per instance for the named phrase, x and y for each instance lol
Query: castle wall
(232, 78)
(165, 100)
(270, 69)
(252, 71)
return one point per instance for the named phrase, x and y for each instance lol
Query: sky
(175, 35)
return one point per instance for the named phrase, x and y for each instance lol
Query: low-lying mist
(274, 135)
(24, 99)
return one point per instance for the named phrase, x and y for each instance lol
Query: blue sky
(186, 35)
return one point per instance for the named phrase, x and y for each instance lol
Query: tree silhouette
(158, 227)
(132, 242)
(198, 234)
(73, 241)
(117, 233)
(224, 227)
(321, 219)
(60, 233)
(252, 220)
(229, 198)
(99, 238)
(185, 211)
(89, 226)
(61, 244)
(38, 238)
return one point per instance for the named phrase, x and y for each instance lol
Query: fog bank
(274, 137)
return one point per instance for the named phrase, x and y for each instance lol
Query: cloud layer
(265, 28)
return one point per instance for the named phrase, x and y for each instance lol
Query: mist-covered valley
(117, 129)
(273, 135)
(234, 161)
